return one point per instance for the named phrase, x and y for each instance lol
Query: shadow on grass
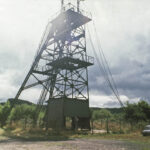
(34, 135)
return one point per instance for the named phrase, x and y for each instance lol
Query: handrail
(70, 6)
(84, 58)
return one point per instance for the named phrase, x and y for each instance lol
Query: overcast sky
(123, 27)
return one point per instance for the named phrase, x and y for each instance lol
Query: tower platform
(71, 63)
(66, 22)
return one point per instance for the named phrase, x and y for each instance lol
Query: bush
(135, 113)
(24, 113)
(4, 113)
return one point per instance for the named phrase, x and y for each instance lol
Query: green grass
(40, 135)
(1, 131)
(132, 137)
(34, 134)
(2, 137)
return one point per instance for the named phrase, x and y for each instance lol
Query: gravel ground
(74, 144)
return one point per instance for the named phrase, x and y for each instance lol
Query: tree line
(132, 116)
(21, 114)
(26, 115)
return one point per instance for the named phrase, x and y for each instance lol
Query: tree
(135, 113)
(96, 116)
(41, 119)
(102, 114)
(4, 113)
(119, 118)
(105, 114)
(1, 108)
(144, 108)
(23, 112)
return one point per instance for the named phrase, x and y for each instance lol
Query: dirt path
(74, 144)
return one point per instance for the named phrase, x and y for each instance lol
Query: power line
(107, 66)
(104, 67)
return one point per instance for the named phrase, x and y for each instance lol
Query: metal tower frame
(63, 50)
(61, 62)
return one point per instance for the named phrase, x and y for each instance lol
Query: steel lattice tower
(62, 60)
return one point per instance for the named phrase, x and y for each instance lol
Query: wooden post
(62, 5)
(107, 126)
(92, 126)
(78, 5)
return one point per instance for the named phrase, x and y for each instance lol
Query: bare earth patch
(74, 144)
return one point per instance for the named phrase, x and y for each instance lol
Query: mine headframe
(62, 59)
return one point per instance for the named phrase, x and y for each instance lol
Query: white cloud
(31, 95)
(6, 88)
(104, 101)
(118, 24)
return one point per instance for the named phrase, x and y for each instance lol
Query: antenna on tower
(62, 5)
(78, 5)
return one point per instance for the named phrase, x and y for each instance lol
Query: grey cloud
(124, 30)
(112, 104)
(131, 74)
(8, 61)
